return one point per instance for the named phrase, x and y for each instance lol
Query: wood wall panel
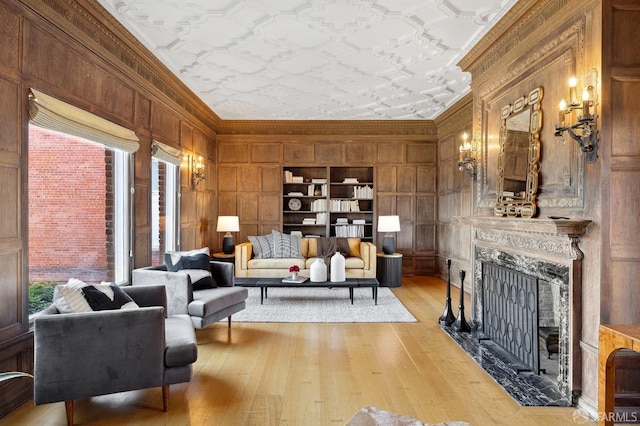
(11, 317)
(165, 125)
(248, 211)
(328, 153)
(360, 153)
(406, 179)
(389, 153)
(624, 113)
(269, 208)
(9, 40)
(385, 179)
(228, 204)
(266, 153)
(624, 18)
(234, 153)
(426, 179)
(426, 208)
(186, 137)
(271, 179)
(249, 179)
(10, 224)
(421, 153)
(297, 153)
(227, 178)
(10, 135)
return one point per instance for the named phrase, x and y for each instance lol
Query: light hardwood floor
(319, 374)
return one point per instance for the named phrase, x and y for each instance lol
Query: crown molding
(328, 127)
(506, 33)
(95, 28)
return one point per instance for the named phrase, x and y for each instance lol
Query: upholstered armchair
(205, 306)
(80, 355)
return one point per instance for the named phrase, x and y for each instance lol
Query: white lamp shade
(388, 223)
(228, 224)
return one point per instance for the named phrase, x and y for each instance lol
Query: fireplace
(521, 302)
(526, 294)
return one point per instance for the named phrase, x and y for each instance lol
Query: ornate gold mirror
(517, 173)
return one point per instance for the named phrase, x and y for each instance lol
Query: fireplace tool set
(447, 318)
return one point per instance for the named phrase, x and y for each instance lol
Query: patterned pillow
(103, 297)
(262, 246)
(196, 265)
(285, 246)
(77, 296)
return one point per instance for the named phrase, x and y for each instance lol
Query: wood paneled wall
(404, 156)
(75, 51)
(455, 190)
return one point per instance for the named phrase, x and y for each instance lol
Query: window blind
(53, 114)
(166, 153)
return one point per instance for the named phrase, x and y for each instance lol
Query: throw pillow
(354, 247)
(262, 246)
(172, 257)
(103, 297)
(197, 266)
(285, 246)
(68, 298)
(77, 296)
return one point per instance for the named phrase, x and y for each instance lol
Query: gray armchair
(205, 306)
(88, 354)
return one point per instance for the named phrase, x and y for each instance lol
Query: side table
(223, 257)
(389, 269)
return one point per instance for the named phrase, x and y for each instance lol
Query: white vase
(337, 268)
(318, 271)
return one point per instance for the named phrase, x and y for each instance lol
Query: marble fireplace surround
(547, 249)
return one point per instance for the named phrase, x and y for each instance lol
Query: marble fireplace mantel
(549, 238)
(547, 249)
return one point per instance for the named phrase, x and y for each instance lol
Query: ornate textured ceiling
(315, 59)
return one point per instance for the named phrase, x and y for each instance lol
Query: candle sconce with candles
(467, 160)
(587, 134)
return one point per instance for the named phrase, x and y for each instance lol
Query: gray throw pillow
(286, 246)
(262, 246)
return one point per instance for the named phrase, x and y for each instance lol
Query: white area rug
(323, 305)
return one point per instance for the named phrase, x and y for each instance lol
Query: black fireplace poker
(447, 317)
(461, 323)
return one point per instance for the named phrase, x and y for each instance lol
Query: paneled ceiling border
(92, 26)
(328, 127)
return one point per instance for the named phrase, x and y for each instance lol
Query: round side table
(389, 269)
(223, 257)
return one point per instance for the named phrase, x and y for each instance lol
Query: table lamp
(228, 224)
(388, 224)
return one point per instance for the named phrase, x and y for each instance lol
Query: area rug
(323, 305)
(372, 416)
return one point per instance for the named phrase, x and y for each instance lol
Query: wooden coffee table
(350, 283)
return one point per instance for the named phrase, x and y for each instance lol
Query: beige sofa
(361, 262)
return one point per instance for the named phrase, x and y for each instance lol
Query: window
(165, 217)
(80, 202)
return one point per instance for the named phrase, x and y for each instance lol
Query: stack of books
(309, 221)
(350, 180)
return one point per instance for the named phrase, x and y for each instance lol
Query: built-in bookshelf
(328, 201)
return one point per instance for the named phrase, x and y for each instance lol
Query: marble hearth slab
(527, 389)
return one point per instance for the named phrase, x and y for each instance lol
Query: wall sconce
(228, 224)
(467, 159)
(197, 172)
(587, 133)
(388, 224)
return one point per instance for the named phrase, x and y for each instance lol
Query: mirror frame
(526, 206)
